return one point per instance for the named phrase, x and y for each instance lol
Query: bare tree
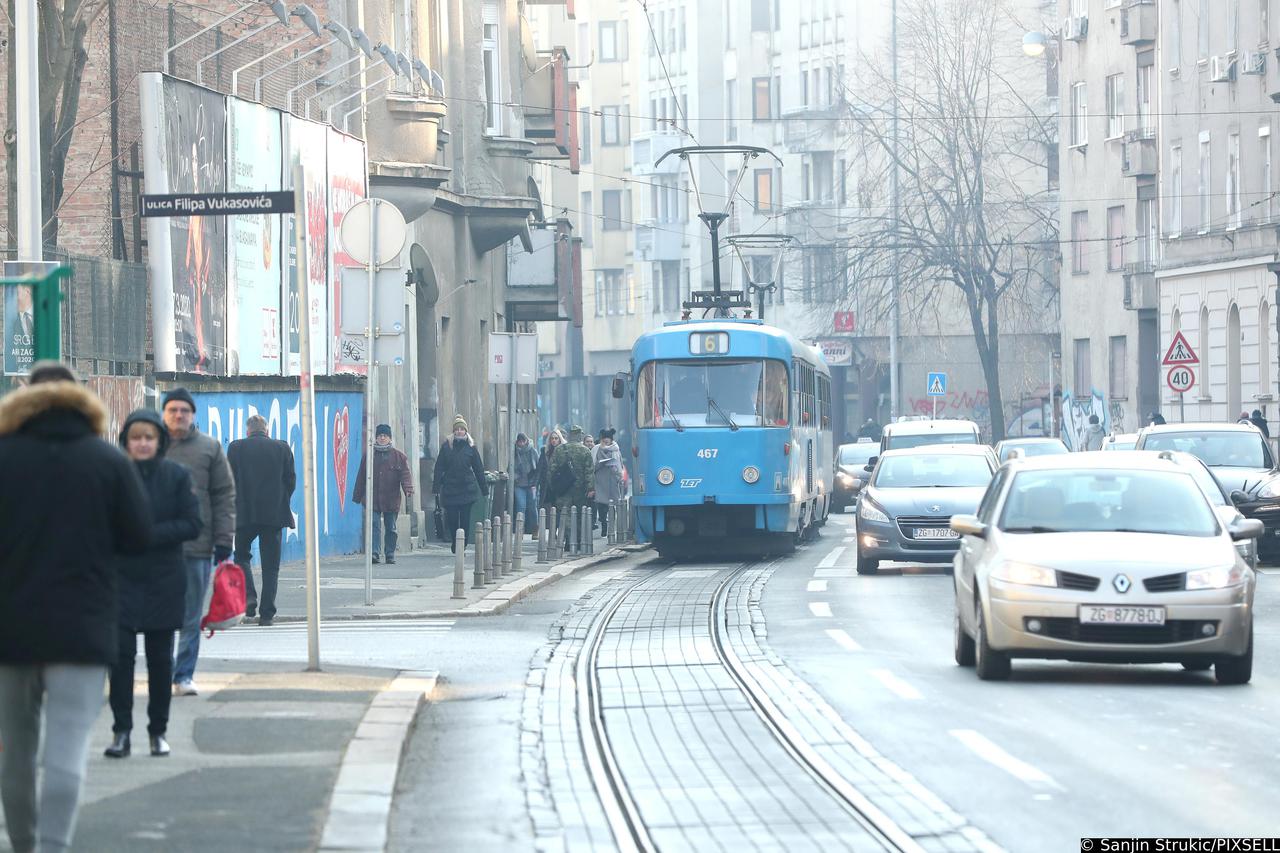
(64, 28)
(976, 223)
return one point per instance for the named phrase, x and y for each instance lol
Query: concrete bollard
(517, 553)
(506, 543)
(589, 526)
(487, 537)
(552, 521)
(495, 547)
(460, 564)
(575, 530)
(478, 580)
(542, 535)
(557, 534)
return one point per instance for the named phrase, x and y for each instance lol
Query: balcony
(1140, 290)
(659, 241)
(549, 107)
(648, 147)
(810, 129)
(1138, 22)
(1139, 156)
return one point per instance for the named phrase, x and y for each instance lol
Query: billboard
(19, 318)
(184, 151)
(307, 145)
(339, 415)
(346, 187)
(253, 256)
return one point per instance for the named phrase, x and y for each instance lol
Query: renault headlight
(1026, 574)
(870, 512)
(844, 479)
(1270, 489)
(1217, 578)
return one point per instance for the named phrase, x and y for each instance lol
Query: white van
(897, 436)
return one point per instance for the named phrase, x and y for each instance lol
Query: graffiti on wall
(1075, 416)
(121, 395)
(1117, 417)
(969, 405)
(222, 415)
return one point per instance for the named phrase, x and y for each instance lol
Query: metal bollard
(460, 564)
(542, 535)
(486, 536)
(553, 524)
(590, 526)
(478, 580)
(506, 543)
(613, 523)
(575, 531)
(517, 554)
(495, 548)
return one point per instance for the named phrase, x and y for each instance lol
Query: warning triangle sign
(1180, 352)
(935, 387)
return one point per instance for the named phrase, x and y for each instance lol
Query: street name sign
(217, 204)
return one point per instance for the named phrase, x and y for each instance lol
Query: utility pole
(897, 248)
(26, 54)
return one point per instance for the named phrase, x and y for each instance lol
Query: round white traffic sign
(357, 233)
(1181, 378)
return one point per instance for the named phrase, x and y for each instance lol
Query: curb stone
(360, 805)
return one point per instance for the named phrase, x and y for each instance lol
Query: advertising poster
(254, 245)
(19, 319)
(307, 143)
(195, 132)
(223, 414)
(346, 187)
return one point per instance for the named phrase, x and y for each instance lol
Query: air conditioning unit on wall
(1222, 69)
(1075, 28)
(1255, 62)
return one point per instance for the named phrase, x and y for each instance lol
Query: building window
(492, 56)
(1079, 244)
(760, 17)
(1145, 90)
(1175, 191)
(1115, 239)
(1234, 212)
(1115, 106)
(1264, 155)
(1083, 374)
(1205, 183)
(1203, 352)
(610, 126)
(762, 99)
(584, 136)
(1233, 20)
(1203, 25)
(1175, 37)
(588, 219)
(1264, 349)
(612, 296)
(764, 190)
(609, 48)
(804, 179)
(1147, 227)
(1118, 373)
(731, 109)
(1079, 114)
(611, 210)
(729, 6)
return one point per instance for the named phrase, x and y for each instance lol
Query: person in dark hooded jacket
(1258, 420)
(459, 480)
(153, 586)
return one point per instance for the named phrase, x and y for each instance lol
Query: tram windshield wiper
(666, 408)
(711, 402)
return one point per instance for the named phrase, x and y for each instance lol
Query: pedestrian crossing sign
(937, 385)
(1180, 352)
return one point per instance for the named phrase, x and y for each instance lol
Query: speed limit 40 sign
(1181, 378)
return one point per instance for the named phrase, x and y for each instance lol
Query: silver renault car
(1112, 557)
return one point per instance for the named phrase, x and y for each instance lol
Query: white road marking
(843, 639)
(993, 754)
(820, 609)
(897, 685)
(817, 586)
(830, 560)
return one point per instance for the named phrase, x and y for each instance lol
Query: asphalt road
(1063, 750)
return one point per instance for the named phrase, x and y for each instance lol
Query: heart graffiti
(341, 452)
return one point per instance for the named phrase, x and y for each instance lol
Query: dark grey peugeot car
(904, 513)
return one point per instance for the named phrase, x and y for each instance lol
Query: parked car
(1120, 441)
(1102, 557)
(1030, 447)
(851, 472)
(918, 433)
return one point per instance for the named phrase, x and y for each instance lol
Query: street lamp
(1034, 44)
(717, 301)
(308, 17)
(282, 16)
(750, 246)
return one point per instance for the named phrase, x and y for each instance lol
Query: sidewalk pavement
(420, 584)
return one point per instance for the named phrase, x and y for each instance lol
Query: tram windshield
(720, 393)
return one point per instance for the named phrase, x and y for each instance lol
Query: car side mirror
(871, 464)
(1239, 497)
(619, 386)
(968, 525)
(1246, 528)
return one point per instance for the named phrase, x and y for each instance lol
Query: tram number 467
(708, 453)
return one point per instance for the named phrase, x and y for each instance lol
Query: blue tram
(732, 443)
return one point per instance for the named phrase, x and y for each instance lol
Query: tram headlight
(751, 474)
(666, 476)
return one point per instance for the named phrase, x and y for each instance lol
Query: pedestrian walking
(546, 494)
(1093, 434)
(571, 474)
(72, 505)
(265, 480)
(1244, 419)
(525, 467)
(606, 476)
(215, 489)
(459, 480)
(152, 587)
(1257, 419)
(1155, 419)
(588, 441)
(871, 430)
(390, 477)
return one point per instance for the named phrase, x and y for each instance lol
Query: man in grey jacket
(216, 492)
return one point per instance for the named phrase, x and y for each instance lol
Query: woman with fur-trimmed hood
(70, 505)
(459, 480)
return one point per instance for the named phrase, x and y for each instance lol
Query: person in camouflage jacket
(572, 460)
